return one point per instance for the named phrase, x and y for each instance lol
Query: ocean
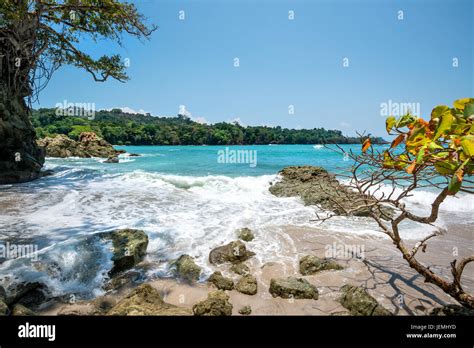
(188, 199)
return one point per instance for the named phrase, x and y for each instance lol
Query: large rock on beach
(234, 252)
(89, 145)
(216, 304)
(452, 310)
(146, 300)
(245, 234)
(311, 264)
(292, 287)
(221, 282)
(247, 284)
(358, 301)
(187, 269)
(129, 248)
(316, 186)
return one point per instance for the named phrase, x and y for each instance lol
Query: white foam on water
(180, 214)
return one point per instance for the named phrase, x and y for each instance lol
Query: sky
(337, 64)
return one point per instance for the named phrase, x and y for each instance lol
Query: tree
(36, 38)
(439, 154)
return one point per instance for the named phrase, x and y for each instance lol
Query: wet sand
(382, 272)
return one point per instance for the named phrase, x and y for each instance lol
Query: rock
(134, 155)
(310, 264)
(358, 301)
(234, 252)
(247, 285)
(29, 294)
(20, 311)
(316, 186)
(3, 308)
(240, 268)
(112, 160)
(122, 280)
(452, 310)
(246, 310)
(145, 300)
(3, 294)
(293, 288)
(187, 269)
(89, 145)
(129, 248)
(245, 234)
(216, 304)
(221, 282)
(80, 309)
(21, 158)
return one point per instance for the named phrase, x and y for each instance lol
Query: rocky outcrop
(245, 310)
(293, 288)
(247, 285)
(452, 310)
(240, 268)
(89, 145)
(310, 264)
(29, 294)
(358, 301)
(216, 304)
(221, 282)
(129, 248)
(316, 186)
(145, 300)
(245, 234)
(20, 310)
(3, 300)
(234, 252)
(187, 269)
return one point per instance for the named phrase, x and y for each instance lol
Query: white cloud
(200, 120)
(128, 110)
(344, 124)
(237, 120)
(182, 111)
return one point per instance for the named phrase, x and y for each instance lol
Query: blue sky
(287, 64)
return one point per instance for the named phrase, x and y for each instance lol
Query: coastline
(383, 273)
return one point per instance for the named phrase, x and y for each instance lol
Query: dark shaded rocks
(245, 234)
(216, 304)
(240, 268)
(292, 287)
(221, 282)
(3, 308)
(310, 264)
(20, 310)
(129, 248)
(452, 310)
(358, 301)
(134, 155)
(245, 310)
(247, 284)
(29, 294)
(121, 280)
(113, 159)
(187, 269)
(89, 145)
(21, 158)
(316, 186)
(234, 252)
(145, 300)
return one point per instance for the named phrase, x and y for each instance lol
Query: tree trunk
(20, 157)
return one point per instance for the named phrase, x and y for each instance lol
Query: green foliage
(445, 144)
(126, 129)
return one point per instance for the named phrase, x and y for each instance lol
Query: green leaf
(454, 185)
(446, 121)
(438, 111)
(469, 110)
(389, 123)
(467, 144)
(461, 103)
